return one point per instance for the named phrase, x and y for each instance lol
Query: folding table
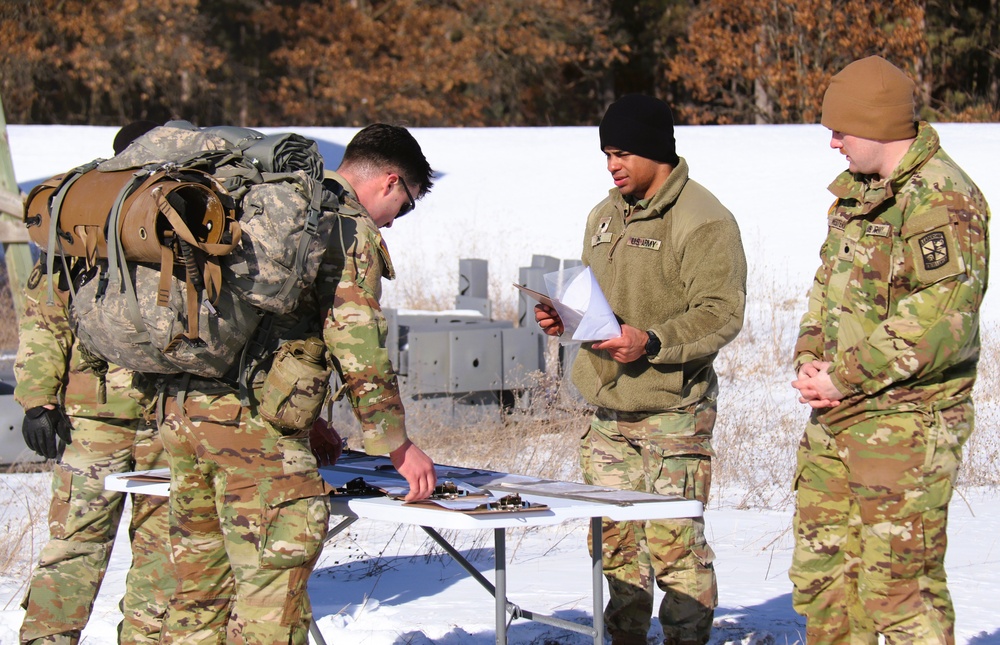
(558, 502)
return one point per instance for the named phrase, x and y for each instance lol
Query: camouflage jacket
(53, 368)
(895, 304)
(674, 265)
(354, 327)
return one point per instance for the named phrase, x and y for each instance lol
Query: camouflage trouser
(870, 528)
(249, 513)
(83, 521)
(670, 454)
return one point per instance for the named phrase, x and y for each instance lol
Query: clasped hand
(815, 387)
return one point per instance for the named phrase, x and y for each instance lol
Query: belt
(174, 385)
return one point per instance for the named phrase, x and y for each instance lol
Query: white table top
(565, 500)
(559, 510)
(137, 483)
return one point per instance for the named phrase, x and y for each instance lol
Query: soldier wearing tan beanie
(886, 360)
(871, 98)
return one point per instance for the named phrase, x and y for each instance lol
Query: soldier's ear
(388, 183)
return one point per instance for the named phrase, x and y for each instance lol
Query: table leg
(317, 636)
(499, 590)
(503, 606)
(335, 531)
(500, 567)
(597, 571)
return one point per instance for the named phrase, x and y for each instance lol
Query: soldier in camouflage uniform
(669, 258)
(95, 419)
(886, 357)
(249, 510)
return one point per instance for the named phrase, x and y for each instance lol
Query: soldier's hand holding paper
(575, 302)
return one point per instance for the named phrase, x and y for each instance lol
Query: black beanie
(641, 125)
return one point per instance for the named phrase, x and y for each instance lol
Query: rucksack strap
(200, 273)
(209, 272)
(259, 350)
(55, 208)
(311, 230)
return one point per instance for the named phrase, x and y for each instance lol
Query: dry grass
(760, 421)
(981, 464)
(415, 294)
(24, 503)
(538, 436)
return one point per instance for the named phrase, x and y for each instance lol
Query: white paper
(580, 303)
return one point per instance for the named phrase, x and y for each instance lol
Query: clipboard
(586, 320)
(535, 295)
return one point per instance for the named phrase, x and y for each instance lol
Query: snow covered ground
(503, 195)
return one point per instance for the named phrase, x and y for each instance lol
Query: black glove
(46, 431)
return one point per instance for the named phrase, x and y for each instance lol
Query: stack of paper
(580, 303)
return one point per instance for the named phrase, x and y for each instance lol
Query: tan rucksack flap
(87, 202)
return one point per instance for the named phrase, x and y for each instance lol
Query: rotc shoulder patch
(934, 249)
(931, 240)
(644, 243)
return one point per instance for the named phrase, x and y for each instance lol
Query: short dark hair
(381, 145)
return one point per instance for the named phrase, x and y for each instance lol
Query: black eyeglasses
(411, 204)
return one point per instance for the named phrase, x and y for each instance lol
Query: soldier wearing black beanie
(642, 125)
(668, 257)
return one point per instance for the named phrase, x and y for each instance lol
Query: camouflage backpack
(191, 236)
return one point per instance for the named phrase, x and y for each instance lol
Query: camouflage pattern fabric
(895, 303)
(668, 453)
(105, 325)
(249, 512)
(179, 143)
(870, 528)
(355, 328)
(83, 522)
(280, 248)
(894, 309)
(106, 409)
(53, 368)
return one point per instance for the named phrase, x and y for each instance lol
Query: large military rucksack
(191, 237)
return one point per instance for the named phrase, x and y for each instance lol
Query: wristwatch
(652, 345)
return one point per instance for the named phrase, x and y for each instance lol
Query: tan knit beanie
(871, 98)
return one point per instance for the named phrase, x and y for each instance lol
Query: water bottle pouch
(296, 387)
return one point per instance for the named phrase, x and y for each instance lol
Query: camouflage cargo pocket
(62, 492)
(294, 521)
(679, 459)
(896, 548)
(688, 476)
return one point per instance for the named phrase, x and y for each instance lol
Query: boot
(625, 638)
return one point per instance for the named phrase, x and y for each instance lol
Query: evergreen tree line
(478, 63)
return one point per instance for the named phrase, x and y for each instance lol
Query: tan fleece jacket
(675, 267)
